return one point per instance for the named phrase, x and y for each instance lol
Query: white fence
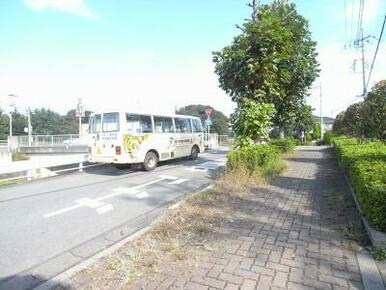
(5, 153)
(49, 140)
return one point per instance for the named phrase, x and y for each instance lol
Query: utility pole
(80, 113)
(11, 105)
(321, 112)
(29, 126)
(360, 43)
(363, 65)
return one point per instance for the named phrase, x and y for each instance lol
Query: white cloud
(76, 7)
(148, 84)
(340, 84)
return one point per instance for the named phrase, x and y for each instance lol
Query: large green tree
(304, 119)
(19, 122)
(339, 127)
(220, 122)
(272, 61)
(353, 120)
(252, 121)
(374, 112)
(45, 122)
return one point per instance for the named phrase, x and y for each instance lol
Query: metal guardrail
(3, 143)
(49, 140)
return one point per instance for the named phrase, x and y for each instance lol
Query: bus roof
(147, 113)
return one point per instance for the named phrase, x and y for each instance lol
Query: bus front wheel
(150, 162)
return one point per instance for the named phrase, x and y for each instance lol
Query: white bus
(127, 138)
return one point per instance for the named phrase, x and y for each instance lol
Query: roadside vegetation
(365, 164)
(19, 156)
(360, 143)
(6, 182)
(196, 223)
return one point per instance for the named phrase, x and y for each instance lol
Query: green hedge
(284, 145)
(258, 159)
(365, 164)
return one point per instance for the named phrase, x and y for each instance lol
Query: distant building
(327, 123)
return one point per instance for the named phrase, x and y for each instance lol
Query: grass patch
(7, 182)
(19, 157)
(378, 254)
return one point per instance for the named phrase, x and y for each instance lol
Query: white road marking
(142, 195)
(209, 165)
(117, 191)
(178, 181)
(63, 210)
(105, 208)
(168, 177)
(88, 202)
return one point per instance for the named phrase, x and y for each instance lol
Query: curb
(372, 279)
(377, 238)
(54, 171)
(65, 277)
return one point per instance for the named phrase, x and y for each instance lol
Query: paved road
(47, 226)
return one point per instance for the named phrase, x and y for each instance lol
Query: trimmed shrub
(254, 160)
(327, 138)
(284, 145)
(365, 164)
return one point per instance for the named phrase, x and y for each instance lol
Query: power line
(345, 20)
(376, 52)
(360, 17)
(346, 105)
(352, 21)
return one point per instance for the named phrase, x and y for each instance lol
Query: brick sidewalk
(299, 232)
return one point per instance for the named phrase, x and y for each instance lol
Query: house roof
(326, 120)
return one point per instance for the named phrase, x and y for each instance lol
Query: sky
(148, 55)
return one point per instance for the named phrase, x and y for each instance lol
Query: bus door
(95, 131)
(108, 144)
(164, 134)
(198, 134)
(183, 136)
(137, 135)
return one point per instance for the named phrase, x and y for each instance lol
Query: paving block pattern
(296, 233)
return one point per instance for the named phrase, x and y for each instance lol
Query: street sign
(208, 112)
(81, 114)
(208, 122)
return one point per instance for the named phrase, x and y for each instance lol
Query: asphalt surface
(50, 225)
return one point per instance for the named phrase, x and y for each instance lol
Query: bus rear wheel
(150, 162)
(194, 153)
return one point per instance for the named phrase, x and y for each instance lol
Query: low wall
(53, 149)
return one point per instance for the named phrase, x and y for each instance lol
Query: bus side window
(139, 123)
(91, 124)
(146, 124)
(133, 125)
(96, 128)
(163, 125)
(197, 128)
(183, 125)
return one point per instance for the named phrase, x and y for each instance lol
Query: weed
(378, 254)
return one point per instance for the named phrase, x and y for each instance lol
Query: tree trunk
(281, 132)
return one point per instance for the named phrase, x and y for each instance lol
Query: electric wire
(376, 52)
